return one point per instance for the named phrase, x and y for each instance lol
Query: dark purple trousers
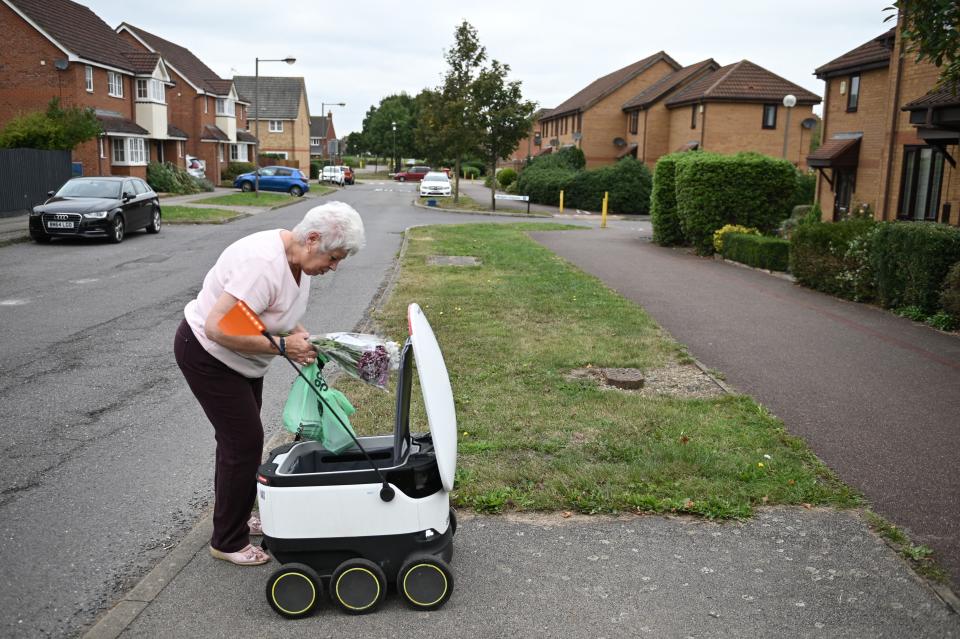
(232, 404)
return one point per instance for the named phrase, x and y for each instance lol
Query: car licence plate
(59, 225)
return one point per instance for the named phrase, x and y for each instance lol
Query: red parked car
(414, 174)
(347, 175)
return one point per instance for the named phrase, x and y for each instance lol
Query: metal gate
(26, 175)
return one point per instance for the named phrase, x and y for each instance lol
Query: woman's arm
(297, 346)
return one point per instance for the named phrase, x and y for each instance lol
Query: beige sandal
(249, 556)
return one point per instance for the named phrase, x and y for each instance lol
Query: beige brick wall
(872, 119)
(734, 127)
(653, 134)
(680, 132)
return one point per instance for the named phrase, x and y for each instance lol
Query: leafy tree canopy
(54, 129)
(931, 29)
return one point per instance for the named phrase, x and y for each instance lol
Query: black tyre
(39, 237)
(296, 191)
(402, 179)
(294, 590)
(117, 230)
(358, 586)
(155, 222)
(246, 187)
(425, 582)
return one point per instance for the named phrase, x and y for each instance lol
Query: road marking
(13, 302)
(86, 281)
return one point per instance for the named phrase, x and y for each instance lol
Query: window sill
(149, 101)
(120, 97)
(128, 164)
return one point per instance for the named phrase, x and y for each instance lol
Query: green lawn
(248, 199)
(530, 438)
(468, 204)
(193, 215)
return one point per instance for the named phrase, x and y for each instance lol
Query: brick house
(739, 107)
(890, 138)
(592, 118)
(284, 117)
(206, 113)
(647, 134)
(322, 134)
(57, 48)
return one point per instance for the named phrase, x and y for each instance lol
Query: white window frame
(88, 77)
(226, 107)
(129, 151)
(114, 84)
(238, 153)
(150, 90)
(316, 141)
(276, 126)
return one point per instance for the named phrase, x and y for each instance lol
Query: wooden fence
(26, 175)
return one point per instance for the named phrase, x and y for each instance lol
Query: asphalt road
(108, 458)
(874, 395)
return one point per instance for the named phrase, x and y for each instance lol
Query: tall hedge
(747, 188)
(663, 202)
(835, 258)
(911, 261)
(627, 182)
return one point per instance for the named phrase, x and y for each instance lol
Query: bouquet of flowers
(366, 357)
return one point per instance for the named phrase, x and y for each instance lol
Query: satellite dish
(577, 135)
(61, 64)
(619, 142)
(809, 123)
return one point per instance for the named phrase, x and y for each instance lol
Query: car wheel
(296, 191)
(117, 230)
(40, 237)
(155, 224)
(246, 187)
(402, 179)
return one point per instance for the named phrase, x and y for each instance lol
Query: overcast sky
(360, 52)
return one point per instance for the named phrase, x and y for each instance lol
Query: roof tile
(742, 81)
(670, 83)
(870, 55)
(280, 96)
(182, 60)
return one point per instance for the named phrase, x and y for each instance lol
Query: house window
(853, 97)
(693, 116)
(634, 121)
(129, 151)
(88, 73)
(114, 84)
(238, 152)
(119, 151)
(150, 90)
(225, 107)
(276, 126)
(316, 141)
(920, 184)
(769, 116)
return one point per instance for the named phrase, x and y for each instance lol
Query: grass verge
(467, 203)
(193, 215)
(248, 199)
(920, 557)
(531, 439)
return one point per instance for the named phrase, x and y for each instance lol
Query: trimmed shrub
(950, 295)
(627, 182)
(170, 178)
(911, 260)
(234, 169)
(805, 188)
(663, 202)
(746, 188)
(802, 214)
(719, 234)
(315, 170)
(834, 258)
(544, 185)
(771, 253)
(506, 177)
(469, 171)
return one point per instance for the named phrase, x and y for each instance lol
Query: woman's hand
(299, 348)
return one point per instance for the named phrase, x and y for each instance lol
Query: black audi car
(97, 207)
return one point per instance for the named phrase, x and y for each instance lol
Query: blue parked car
(275, 178)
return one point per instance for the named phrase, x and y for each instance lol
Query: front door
(844, 181)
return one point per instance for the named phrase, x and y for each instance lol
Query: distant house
(739, 107)
(647, 134)
(58, 48)
(592, 118)
(529, 146)
(890, 138)
(323, 137)
(283, 115)
(204, 109)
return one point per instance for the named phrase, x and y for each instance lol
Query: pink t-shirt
(253, 269)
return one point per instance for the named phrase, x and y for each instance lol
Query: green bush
(663, 202)
(627, 182)
(234, 169)
(835, 258)
(506, 177)
(911, 261)
(469, 171)
(950, 294)
(722, 232)
(805, 188)
(771, 253)
(315, 170)
(170, 178)
(544, 185)
(746, 188)
(802, 214)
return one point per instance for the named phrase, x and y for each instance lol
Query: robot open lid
(325, 518)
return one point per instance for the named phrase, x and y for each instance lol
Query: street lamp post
(789, 101)
(256, 115)
(393, 125)
(323, 110)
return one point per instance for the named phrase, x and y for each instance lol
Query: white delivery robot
(375, 514)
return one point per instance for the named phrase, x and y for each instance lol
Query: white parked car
(333, 174)
(435, 183)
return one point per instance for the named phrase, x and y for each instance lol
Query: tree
(503, 116)
(931, 28)
(54, 129)
(378, 126)
(355, 143)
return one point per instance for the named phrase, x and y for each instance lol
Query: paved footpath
(875, 395)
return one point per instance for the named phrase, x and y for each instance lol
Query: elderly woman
(271, 272)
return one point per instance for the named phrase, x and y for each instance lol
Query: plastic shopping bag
(305, 414)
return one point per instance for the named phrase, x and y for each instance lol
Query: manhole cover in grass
(675, 380)
(452, 260)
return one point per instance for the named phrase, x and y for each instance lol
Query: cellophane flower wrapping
(364, 356)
